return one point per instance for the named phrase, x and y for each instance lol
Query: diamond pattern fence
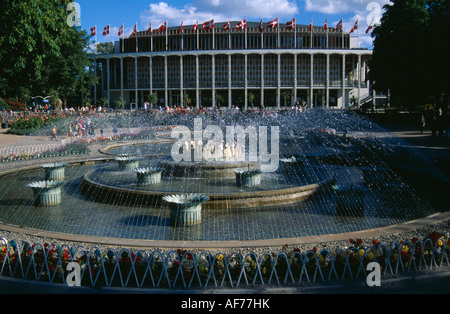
(185, 269)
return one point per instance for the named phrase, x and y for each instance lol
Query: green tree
(40, 52)
(120, 103)
(251, 98)
(152, 99)
(410, 56)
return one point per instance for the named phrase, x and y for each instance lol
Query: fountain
(46, 193)
(149, 176)
(54, 171)
(248, 177)
(185, 210)
(326, 182)
(128, 163)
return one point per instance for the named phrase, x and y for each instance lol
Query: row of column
(278, 97)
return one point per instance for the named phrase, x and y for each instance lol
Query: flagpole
(311, 43)
(167, 36)
(246, 42)
(262, 34)
(198, 45)
(229, 33)
(295, 34)
(151, 37)
(137, 44)
(278, 31)
(123, 39)
(213, 28)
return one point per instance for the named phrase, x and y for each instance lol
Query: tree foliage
(410, 56)
(40, 53)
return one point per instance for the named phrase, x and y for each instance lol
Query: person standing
(422, 123)
(54, 134)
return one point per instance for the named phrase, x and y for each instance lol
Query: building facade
(219, 67)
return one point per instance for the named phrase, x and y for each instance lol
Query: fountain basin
(149, 176)
(95, 189)
(54, 171)
(249, 177)
(185, 210)
(46, 193)
(128, 163)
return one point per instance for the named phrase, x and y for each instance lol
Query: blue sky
(113, 12)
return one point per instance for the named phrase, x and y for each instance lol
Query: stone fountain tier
(128, 163)
(210, 169)
(148, 176)
(54, 171)
(46, 193)
(222, 192)
(185, 210)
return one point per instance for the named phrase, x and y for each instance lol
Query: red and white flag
(370, 27)
(106, 30)
(339, 25)
(226, 27)
(311, 25)
(120, 30)
(94, 31)
(208, 25)
(291, 24)
(163, 27)
(261, 27)
(150, 29)
(181, 28)
(242, 25)
(355, 27)
(273, 24)
(195, 26)
(325, 26)
(134, 30)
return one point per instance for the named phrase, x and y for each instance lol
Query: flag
(339, 25)
(291, 24)
(242, 25)
(370, 27)
(208, 25)
(355, 27)
(195, 26)
(150, 30)
(181, 28)
(106, 30)
(121, 30)
(261, 27)
(94, 31)
(162, 28)
(325, 26)
(134, 30)
(311, 25)
(273, 23)
(226, 27)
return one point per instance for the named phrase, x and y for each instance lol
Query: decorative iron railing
(185, 269)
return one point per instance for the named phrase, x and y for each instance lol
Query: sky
(101, 13)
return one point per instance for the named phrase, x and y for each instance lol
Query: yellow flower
(439, 242)
(370, 256)
(220, 257)
(264, 270)
(361, 252)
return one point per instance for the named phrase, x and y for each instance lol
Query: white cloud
(220, 10)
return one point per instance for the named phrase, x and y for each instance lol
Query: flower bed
(181, 268)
